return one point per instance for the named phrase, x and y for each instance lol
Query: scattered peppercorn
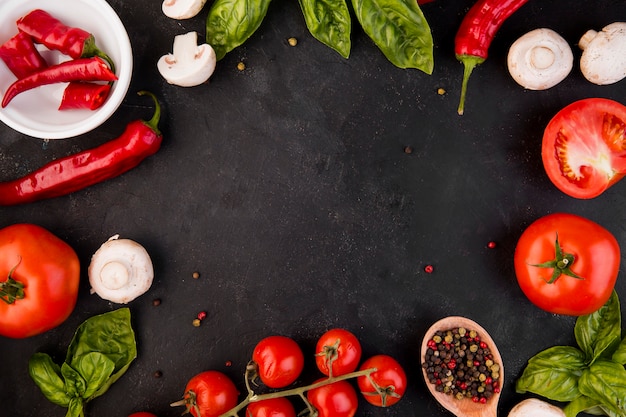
(156, 302)
(241, 66)
(292, 41)
(429, 269)
(459, 363)
(196, 322)
(196, 275)
(158, 374)
(441, 91)
(491, 245)
(201, 315)
(408, 149)
(228, 363)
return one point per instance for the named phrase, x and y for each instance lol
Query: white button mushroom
(533, 407)
(182, 9)
(189, 64)
(603, 60)
(120, 270)
(540, 59)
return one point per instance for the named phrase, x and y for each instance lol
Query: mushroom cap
(120, 270)
(182, 9)
(603, 60)
(189, 64)
(540, 59)
(533, 407)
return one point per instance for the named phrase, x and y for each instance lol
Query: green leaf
(75, 408)
(605, 381)
(47, 376)
(400, 30)
(579, 405)
(598, 334)
(112, 335)
(619, 355)
(553, 373)
(96, 370)
(329, 22)
(231, 22)
(75, 385)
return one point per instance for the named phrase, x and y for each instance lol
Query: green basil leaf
(580, 404)
(75, 408)
(329, 22)
(619, 355)
(598, 334)
(47, 376)
(112, 335)
(231, 22)
(605, 381)
(75, 385)
(553, 373)
(400, 30)
(96, 369)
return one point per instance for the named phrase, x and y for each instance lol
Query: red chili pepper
(76, 172)
(54, 34)
(84, 95)
(21, 56)
(85, 69)
(477, 30)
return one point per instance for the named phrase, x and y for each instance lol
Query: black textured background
(287, 186)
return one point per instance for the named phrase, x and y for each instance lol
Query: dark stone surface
(287, 186)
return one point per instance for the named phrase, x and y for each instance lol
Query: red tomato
(39, 277)
(279, 359)
(334, 400)
(339, 349)
(142, 414)
(584, 147)
(386, 385)
(210, 394)
(566, 264)
(275, 407)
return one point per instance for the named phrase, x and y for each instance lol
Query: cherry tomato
(279, 359)
(142, 414)
(39, 277)
(567, 264)
(339, 349)
(274, 407)
(338, 399)
(584, 147)
(210, 394)
(386, 385)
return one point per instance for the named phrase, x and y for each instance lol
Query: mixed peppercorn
(459, 363)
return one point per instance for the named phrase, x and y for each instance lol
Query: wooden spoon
(464, 407)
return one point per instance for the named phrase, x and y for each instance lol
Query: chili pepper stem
(153, 123)
(469, 63)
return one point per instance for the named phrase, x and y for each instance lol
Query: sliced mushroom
(189, 64)
(533, 407)
(540, 59)
(603, 60)
(120, 270)
(182, 9)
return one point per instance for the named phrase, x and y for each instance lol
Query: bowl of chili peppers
(65, 66)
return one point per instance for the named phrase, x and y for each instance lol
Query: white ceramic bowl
(35, 112)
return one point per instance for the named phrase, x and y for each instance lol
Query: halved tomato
(584, 147)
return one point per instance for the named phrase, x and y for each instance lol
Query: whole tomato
(567, 264)
(279, 360)
(39, 277)
(386, 385)
(209, 394)
(338, 350)
(338, 399)
(583, 148)
(274, 407)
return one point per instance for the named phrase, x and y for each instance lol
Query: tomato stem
(561, 264)
(299, 391)
(11, 289)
